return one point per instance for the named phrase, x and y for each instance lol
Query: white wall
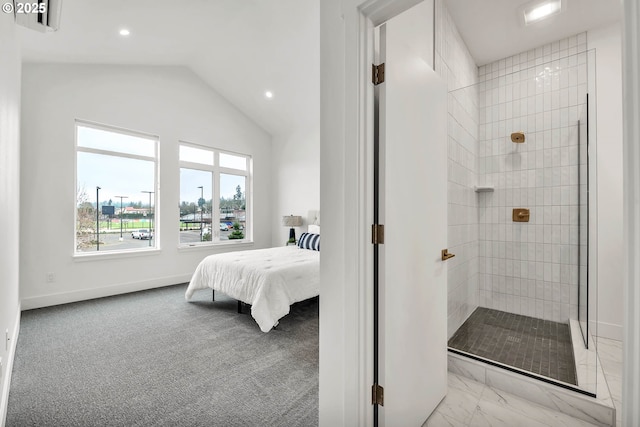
(608, 45)
(531, 268)
(295, 180)
(631, 197)
(456, 66)
(170, 102)
(9, 199)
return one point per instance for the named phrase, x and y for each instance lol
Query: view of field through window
(213, 196)
(115, 189)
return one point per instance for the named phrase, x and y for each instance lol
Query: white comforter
(268, 279)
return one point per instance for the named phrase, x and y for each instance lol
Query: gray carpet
(152, 359)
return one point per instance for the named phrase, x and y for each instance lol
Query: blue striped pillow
(309, 241)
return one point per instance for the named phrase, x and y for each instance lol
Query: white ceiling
(494, 29)
(242, 48)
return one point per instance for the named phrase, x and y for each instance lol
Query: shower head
(517, 137)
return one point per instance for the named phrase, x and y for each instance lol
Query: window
(115, 187)
(214, 196)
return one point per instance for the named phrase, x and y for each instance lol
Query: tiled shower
(536, 269)
(531, 268)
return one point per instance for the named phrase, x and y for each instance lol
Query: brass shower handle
(446, 255)
(521, 215)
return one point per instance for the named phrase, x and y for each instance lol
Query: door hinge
(377, 234)
(377, 395)
(377, 74)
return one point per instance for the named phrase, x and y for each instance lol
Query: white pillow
(314, 229)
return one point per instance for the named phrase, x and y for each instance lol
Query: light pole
(97, 218)
(121, 197)
(201, 204)
(150, 220)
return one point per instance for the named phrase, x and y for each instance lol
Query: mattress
(269, 279)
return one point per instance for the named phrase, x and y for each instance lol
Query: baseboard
(101, 292)
(6, 378)
(607, 330)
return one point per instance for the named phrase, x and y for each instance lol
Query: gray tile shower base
(534, 345)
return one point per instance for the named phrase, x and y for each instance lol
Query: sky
(116, 176)
(122, 176)
(191, 179)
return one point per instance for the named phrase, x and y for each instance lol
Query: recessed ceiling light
(541, 10)
(268, 94)
(124, 32)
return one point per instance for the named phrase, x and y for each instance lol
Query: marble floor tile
(465, 384)
(615, 386)
(493, 415)
(615, 345)
(437, 419)
(618, 405)
(527, 410)
(466, 368)
(612, 367)
(458, 405)
(610, 354)
(470, 403)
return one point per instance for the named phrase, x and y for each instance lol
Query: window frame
(156, 186)
(217, 170)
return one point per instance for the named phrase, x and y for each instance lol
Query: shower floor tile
(534, 345)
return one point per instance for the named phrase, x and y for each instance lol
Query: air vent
(40, 15)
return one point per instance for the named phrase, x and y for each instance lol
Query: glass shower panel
(533, 179)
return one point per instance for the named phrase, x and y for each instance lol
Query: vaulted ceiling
(243, 48)
(240, 48)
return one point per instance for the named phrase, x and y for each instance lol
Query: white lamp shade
(292, 221)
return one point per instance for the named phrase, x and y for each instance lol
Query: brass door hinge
(377, 395)
(377, 234)
(377, 74)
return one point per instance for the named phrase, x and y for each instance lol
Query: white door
(413, 209)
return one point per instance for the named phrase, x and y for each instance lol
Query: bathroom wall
(454, 63)
(607, 43)
(531, 268)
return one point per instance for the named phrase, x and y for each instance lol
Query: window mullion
(231, 171)
(197, 166)
(215, 203)
(115, 154)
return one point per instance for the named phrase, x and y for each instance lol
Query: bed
(269, 279)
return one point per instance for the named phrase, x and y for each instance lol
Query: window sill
(215, 245)
(95, 256)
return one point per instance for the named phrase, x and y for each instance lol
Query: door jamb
(371, 13)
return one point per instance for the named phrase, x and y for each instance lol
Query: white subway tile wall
(530, 268)
(454, 64)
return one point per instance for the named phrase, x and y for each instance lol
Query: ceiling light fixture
(124, 32)
(268, 94)
(539, 11)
